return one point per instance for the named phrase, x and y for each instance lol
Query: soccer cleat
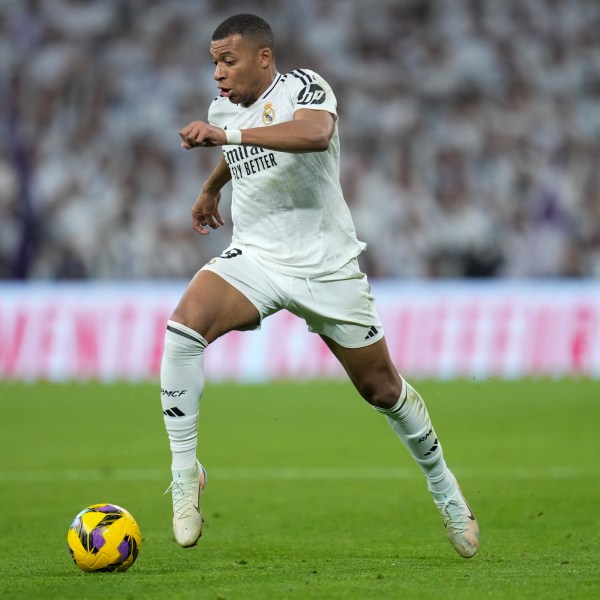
(459, 521)
(186, 488)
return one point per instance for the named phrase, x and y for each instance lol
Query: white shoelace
(185, 496)
(456, 513)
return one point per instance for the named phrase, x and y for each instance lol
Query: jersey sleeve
(215, 113)
(310, 90)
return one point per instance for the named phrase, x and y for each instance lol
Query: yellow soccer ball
(104, 537)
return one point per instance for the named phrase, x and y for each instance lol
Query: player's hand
(202, 135)
(205, 212)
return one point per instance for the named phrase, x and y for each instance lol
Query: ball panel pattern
(104, 537)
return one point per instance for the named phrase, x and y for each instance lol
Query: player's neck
(266, 83)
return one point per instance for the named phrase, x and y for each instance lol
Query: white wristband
(234, 137)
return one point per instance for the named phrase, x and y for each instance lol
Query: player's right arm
(205, 211)
(308, 131)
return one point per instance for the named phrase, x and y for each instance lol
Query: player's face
(241, 70)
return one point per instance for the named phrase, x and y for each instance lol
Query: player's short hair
(251, 27)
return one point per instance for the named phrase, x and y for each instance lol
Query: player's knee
(184, 316)
(192, 315)
(383, 392)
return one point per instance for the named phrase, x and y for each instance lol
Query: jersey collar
(275, 82)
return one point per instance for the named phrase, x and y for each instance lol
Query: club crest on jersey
(312, 94)
(268, 115)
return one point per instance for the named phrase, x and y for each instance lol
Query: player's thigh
(212, 307)
(371, 370)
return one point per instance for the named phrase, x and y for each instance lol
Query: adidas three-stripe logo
(173, 412)
(433, 448)
(373, 331)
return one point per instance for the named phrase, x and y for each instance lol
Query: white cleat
(459, 521)
(186, 488)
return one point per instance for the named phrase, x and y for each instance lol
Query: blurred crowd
(470, 132)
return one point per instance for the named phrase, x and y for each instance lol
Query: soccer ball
(104, 537)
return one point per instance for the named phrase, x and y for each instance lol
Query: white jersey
(288, 208)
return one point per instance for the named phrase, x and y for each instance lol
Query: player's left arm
(309, 131)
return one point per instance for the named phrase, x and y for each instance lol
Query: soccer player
(294, 247)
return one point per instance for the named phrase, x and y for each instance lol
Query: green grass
(310, 494)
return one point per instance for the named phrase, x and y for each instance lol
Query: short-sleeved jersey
(288, 207)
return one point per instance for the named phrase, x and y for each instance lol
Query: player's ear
(265, 56)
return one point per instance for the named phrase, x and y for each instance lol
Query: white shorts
(338, 305)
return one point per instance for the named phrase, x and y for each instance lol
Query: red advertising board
(440, 330)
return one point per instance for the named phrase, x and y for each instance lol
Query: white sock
(410, 420)
(182, 384)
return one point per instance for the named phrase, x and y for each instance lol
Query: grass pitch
(310, 495)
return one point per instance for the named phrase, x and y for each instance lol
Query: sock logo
(422, 439)
(173, 412)
(172, 393)
(433, 448)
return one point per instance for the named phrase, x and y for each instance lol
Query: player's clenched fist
(200, 134)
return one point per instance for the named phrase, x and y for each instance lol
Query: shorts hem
(363, 344)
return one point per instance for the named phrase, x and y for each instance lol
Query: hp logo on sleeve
(312, 94)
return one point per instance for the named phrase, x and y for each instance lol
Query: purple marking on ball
(124, 549)
(107, 508)
(98, 539)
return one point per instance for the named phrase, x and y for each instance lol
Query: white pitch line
(550, 472)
